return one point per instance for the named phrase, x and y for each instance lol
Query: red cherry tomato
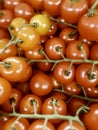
(59, 104)
(55, 48)
(85, 76)
(21, 124)
(85, 28)
(91, 117)
(72, 11)
(63, 73)
(66, 126)
(52, 7)
(15, 98)
(5, 90)
(27, 104)
(39, 124)
(13, 68)
(41, 84)
(6, 16)
(24, 10)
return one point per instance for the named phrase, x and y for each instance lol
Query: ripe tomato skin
(38, 125)
(59, 95)
(4, 33)
(62, 73)
(90, 118)
(85, 28)
(27, 75)
(74, 104)
(38, 4)
(73, 50)
(44, 66)
(66, 126)
(41, 84)
(29, 36)
(72, 87)
(5, 90)
(6, 17)
(41, 23)
(35, 54)
(94, 52)
(52, 7)
(83, 76)
(17, 68)
(72, 11)
(92, 92)
(53, 28)
(67, 34)
(24, 10)
(48, 108)
(21, 124)
(26, 104)
(55, 48)
(15, 97)
(10, 51)
(10, 4)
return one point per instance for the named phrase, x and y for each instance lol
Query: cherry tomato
(63, 73)
(16, 24)
(91, 117)
(66, 126)
(39, 124)
(41, 84)
(37, 5)
(30, 38)
(41, 23)
(27, 104)
(59, 104)
(72, 87)
(72, 11)
(61, 22)
(4, 33)
(27, 75)
(13, 68)
(94, 52)
(52, 7)
(24, 10)
(5, 90)
(74, 104)
(35, 54)
(15, 98)
(6, 16)
(53, 28)
(45, 66)
(68, 34)
(10, 51)
(10, 4)
(56, 84)
(85, 76)
(77, 50)
(23, 87)
(85, 28)
(92, 92)
(21, 124)
(59, 95)
(55, 48)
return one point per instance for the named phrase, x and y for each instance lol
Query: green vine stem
(91, 11)
(77, 96)
(11, 42)
(59, 21)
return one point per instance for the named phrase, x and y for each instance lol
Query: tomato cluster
(48, 64)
